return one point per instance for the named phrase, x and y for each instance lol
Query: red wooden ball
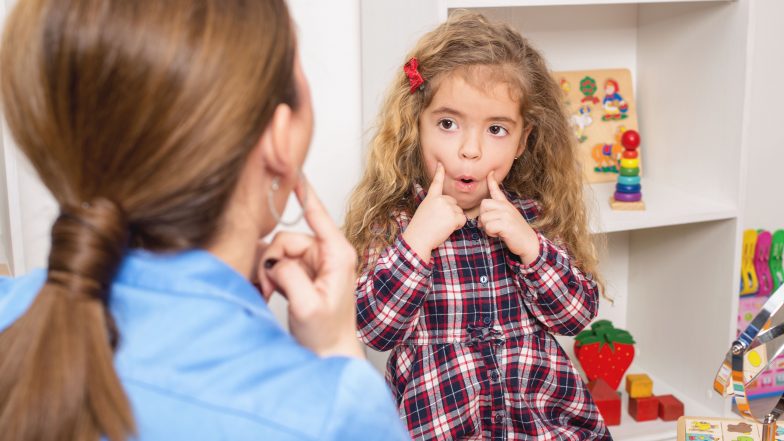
(630, 139)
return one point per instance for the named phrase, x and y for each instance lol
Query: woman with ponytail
(171, 134)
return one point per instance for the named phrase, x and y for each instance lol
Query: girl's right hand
(437, 217)
(317, 274)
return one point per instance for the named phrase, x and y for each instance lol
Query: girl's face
(471, 132)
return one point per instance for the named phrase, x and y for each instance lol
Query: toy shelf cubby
(671, 270)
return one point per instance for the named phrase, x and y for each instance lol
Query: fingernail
(269, 263)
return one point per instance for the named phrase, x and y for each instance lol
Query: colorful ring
(628, 197)
(630, 154)
(629, 180)
(630, 163)
(621, 188)
(630, 171)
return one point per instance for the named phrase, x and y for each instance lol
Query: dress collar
(191, 272)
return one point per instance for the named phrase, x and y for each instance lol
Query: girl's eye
(498, 130)
(447, 124)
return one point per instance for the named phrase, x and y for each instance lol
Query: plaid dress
(472, 355)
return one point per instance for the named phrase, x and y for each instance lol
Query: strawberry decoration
(604, 352)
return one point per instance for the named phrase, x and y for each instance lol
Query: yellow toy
(748, 276)
(639, 385)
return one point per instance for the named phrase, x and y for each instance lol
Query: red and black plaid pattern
(472, 356)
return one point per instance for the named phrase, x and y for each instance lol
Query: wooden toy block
(639, 385)
(644, 408)
(626, 206)
(670, 408)
(607, 401)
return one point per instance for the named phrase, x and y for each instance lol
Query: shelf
(454, 4)
(657, 430)
(631, 430)
(664, 206)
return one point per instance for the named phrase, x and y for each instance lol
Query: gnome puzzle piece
(615, 107)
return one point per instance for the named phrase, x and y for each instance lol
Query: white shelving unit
(665, 205)
(672, 269)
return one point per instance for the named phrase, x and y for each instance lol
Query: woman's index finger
(316, 215)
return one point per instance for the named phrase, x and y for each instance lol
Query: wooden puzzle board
(721, 429)
(597, 115)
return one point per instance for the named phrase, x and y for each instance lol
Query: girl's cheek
(431, 162)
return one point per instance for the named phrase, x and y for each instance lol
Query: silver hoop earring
(275, 186)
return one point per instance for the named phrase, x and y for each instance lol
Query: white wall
(764, 192)
(329, 46)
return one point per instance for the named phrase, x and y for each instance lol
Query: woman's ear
(275, 142)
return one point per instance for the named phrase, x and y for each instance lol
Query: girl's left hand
(500, 218)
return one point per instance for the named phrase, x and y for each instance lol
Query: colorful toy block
(639, 385)
(670, 408)
(607, 400)
(644, 408)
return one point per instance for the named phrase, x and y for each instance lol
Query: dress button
(494, 376)
(499, 417)
(483, 280)
(487, 320)
(474, 236)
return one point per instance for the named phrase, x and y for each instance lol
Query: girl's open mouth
(465, 183)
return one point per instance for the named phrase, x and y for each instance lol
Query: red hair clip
(414, 77)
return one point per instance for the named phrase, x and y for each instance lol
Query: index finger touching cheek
(495, 190)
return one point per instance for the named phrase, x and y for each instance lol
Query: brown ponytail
(57, 360)
(138, 117)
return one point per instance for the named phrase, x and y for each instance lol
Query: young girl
(471, 219)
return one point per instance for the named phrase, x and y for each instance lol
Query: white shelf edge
(665, 206)
(455, 4)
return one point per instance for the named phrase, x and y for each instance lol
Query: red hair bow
(414, 77)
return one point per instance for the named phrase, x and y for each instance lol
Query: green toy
(776, 252)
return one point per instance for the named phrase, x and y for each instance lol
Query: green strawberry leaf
(604, 333)
(588, 339)
(600, 324)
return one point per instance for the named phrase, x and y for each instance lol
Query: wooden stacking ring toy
(628, 197)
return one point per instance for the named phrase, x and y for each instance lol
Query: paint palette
(721, 429)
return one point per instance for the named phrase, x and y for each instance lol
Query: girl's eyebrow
(505, 119)
(459, 114)
(444, 109)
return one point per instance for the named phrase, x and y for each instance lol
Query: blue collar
(192, 272)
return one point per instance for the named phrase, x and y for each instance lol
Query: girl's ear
(275, 143)
(523, 141)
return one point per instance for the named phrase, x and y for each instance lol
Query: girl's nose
(471, 148)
